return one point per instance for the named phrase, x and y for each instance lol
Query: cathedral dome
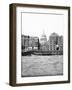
(43, 38)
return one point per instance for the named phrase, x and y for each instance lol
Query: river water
(41, 65)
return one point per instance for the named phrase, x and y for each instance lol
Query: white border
(19, 79)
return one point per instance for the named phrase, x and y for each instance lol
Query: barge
(38, 52)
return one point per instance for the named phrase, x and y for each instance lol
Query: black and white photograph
(41, 44)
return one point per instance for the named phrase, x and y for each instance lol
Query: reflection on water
(41, 65)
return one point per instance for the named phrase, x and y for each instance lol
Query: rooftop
(54, 34)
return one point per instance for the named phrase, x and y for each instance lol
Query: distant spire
(43, 31)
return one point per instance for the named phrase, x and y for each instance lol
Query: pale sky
(35, 24)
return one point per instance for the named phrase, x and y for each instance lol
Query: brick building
(55, 42)
(29, 43)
